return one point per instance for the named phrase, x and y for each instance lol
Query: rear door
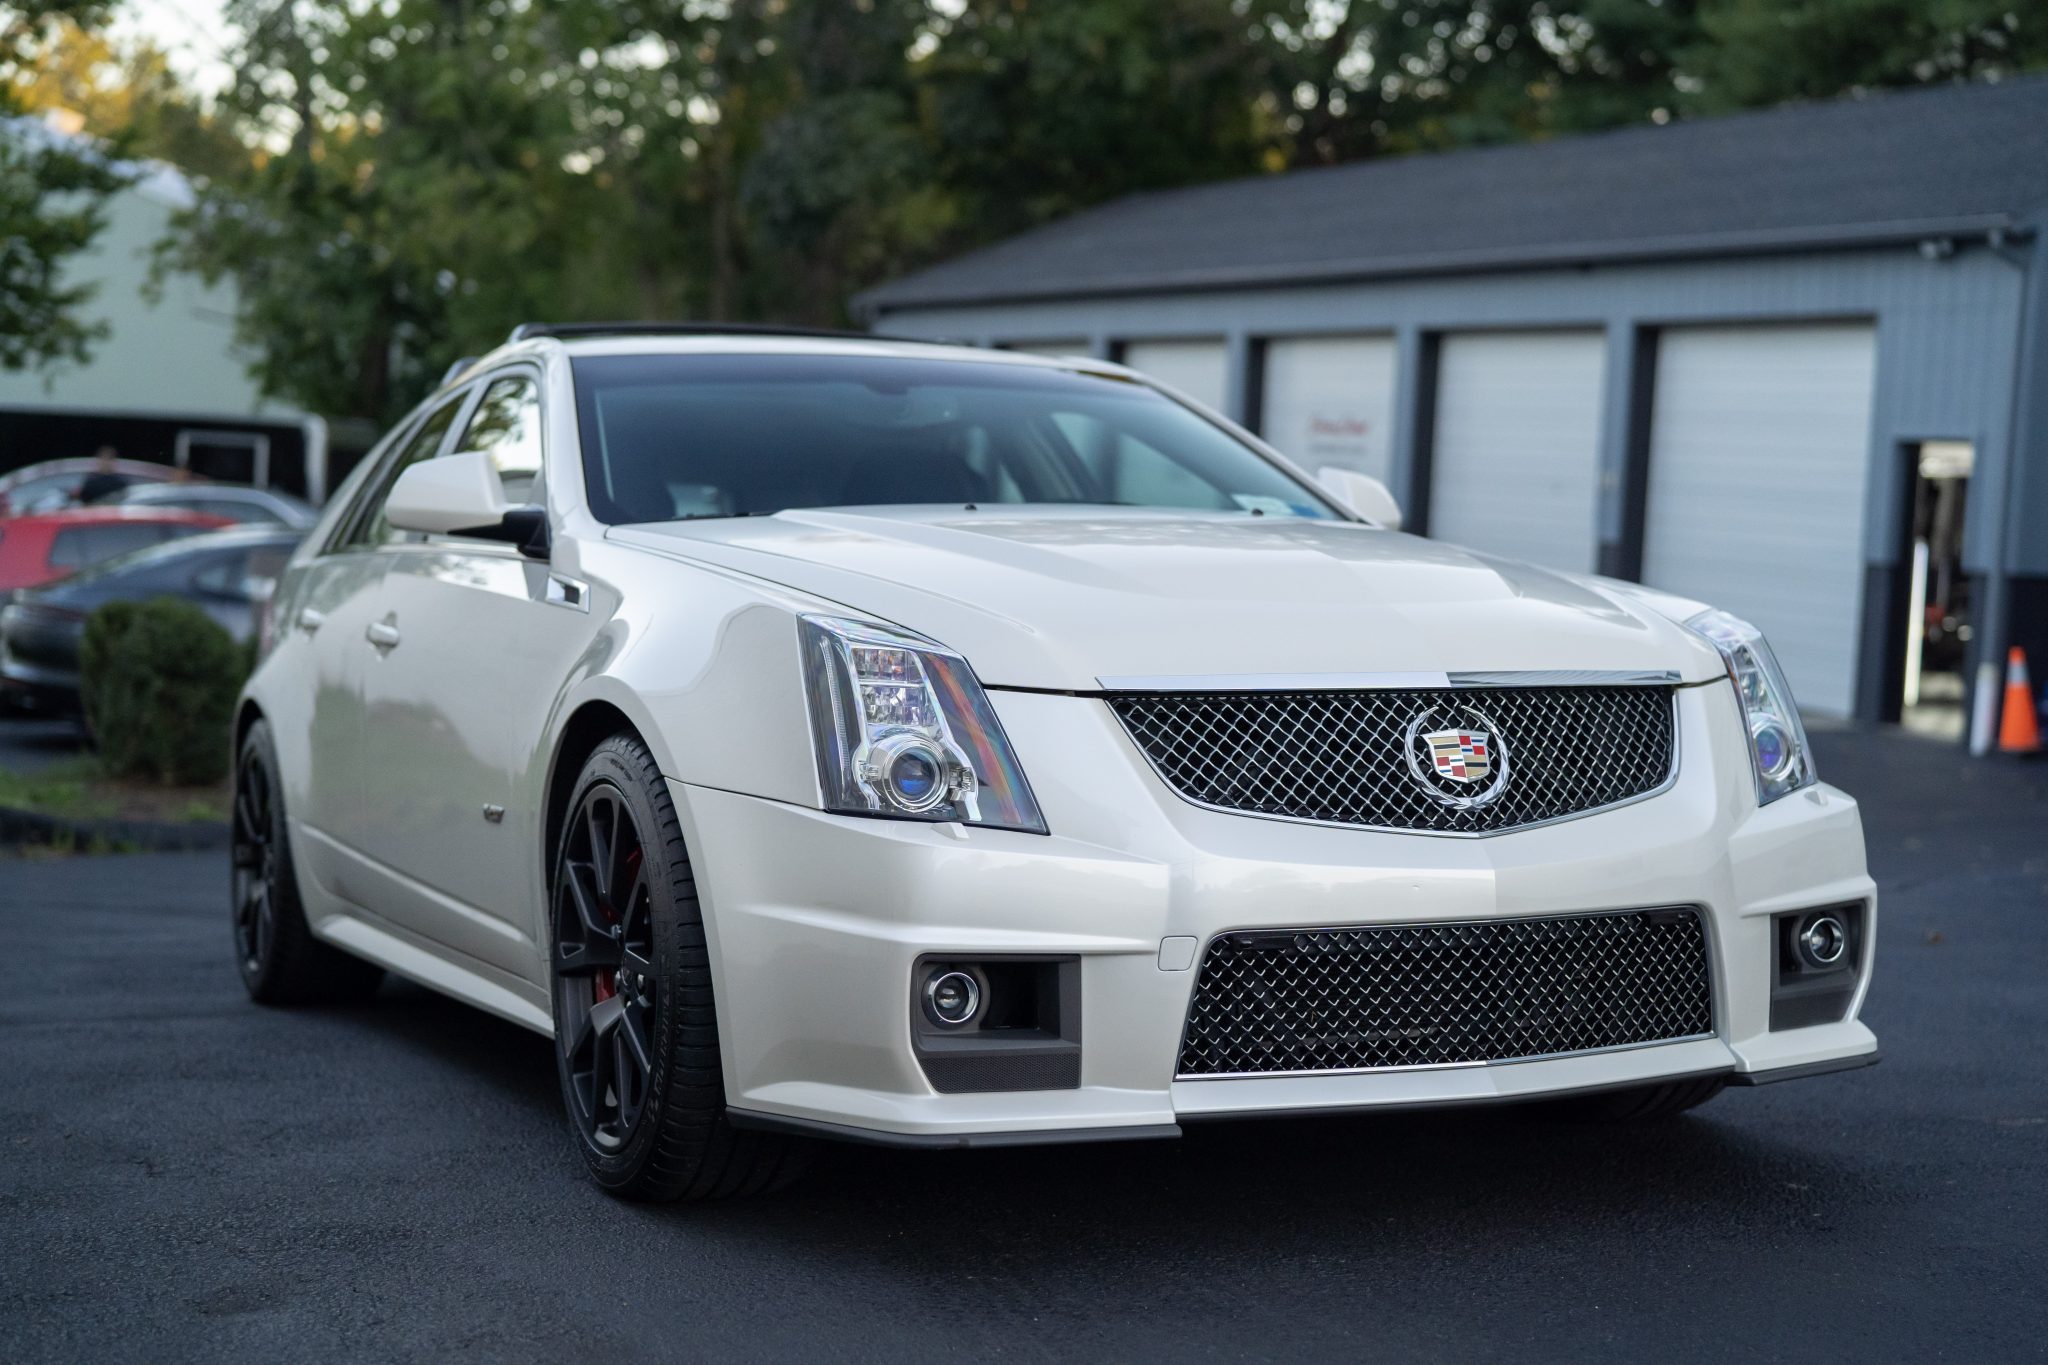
(478, 639)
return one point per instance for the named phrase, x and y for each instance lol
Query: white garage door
(1759, 452)
(1330, 401)
(1197, 368)
(1516, 458)
(1078, 346)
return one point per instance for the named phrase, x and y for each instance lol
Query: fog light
(952, 998)
(1823, 940)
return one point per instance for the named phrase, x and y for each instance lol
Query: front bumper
(816, 921)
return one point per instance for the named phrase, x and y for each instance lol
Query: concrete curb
(156, 836)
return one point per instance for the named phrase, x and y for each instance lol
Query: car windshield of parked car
(682, 436)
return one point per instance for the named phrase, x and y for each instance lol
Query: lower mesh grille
(1278, 1001)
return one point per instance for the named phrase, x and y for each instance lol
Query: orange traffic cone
(2019, 731)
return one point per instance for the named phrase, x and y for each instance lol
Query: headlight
(901, 729)
(1777, 741)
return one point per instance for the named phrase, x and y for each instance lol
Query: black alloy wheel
(605, 981)
(280, 960)
(255, 864)
(636, 1029)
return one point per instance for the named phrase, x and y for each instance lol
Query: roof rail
(570, 330)
(448, 375)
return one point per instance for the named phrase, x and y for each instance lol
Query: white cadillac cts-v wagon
(831, 737)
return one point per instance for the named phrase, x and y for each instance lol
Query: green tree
(412, 200)
(1759, 52)
(52, 202)
(423, 174)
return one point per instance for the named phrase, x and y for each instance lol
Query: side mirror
(1362, 493)
(461, 495)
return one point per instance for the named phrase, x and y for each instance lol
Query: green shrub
(159, 681)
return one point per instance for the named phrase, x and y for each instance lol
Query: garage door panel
(1516, 458)
(1198, 369)
(1058, 350)
(1759, 457)
(1330, 401)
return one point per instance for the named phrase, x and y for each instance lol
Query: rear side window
(76, 546)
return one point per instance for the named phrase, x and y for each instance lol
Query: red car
(36, 549)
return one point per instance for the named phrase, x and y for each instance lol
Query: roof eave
(874, 303)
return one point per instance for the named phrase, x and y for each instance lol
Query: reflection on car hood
(1063, 597)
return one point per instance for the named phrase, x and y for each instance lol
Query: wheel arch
(247, 713)
(590, 723)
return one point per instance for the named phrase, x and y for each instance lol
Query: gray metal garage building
(1793, 362)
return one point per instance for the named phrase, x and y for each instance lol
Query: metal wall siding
(1946, 363)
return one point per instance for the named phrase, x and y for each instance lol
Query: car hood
(1063, 598)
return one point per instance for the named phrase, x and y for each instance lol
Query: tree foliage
(52, 200)
(419, 175)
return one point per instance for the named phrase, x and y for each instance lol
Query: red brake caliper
(603, 987)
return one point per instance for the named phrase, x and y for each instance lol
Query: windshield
(674, 436)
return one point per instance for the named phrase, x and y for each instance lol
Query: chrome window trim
(1420, 681)
(1611, 679)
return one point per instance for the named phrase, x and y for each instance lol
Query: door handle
(311, 620)
(383, 634)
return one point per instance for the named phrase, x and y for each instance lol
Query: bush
(159, 681)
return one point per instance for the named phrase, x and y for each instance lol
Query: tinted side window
(76, 546)
(370, 528)
(507, 425)
(245, 576)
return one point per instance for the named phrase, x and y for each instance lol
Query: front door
(332, 617)
(474, 642)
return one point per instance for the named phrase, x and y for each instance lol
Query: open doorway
(1939, 621)
(225, 456)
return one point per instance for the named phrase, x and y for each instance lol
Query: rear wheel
(636, 1036)
(1646, 1103)
(280, 960)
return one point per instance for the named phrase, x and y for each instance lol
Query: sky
(191, 33)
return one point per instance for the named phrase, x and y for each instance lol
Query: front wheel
(636, 1036)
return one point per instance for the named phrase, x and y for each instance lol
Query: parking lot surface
(188, 1177)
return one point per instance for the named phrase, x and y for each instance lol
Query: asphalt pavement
(185, 1176)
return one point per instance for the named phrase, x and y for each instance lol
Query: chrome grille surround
(1277, 1002)
(1348, 755)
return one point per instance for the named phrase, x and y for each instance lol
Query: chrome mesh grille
(1359, 758)
(1279, 1001)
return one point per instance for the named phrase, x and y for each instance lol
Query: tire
(1647, 1103)
(280, 960)
(636, 1034)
